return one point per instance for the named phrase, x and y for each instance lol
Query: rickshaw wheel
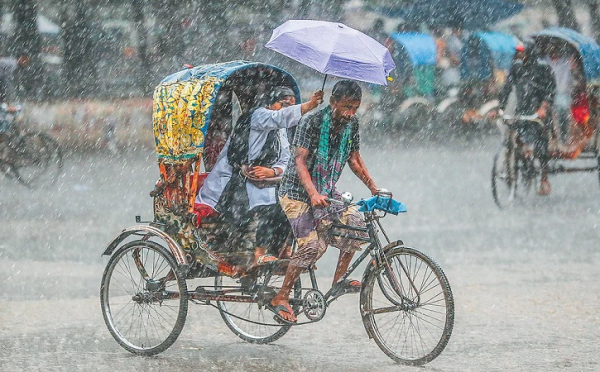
(451, 119)
(143, 297)
(504, 176)
(251, 321)
(416, 117)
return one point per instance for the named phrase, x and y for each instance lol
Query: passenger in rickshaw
(324, 141)
(581, 130)
(563, 66)
(534, 85)
(242, 184)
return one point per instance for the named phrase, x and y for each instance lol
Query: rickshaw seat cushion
(203, 211)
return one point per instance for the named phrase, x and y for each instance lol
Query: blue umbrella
(467, 14)
(334, 49)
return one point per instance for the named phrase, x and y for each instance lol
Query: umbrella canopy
(466, 14)
(333, 49)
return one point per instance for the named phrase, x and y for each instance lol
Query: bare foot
(545, 188)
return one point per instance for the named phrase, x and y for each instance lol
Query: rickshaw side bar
(561, 169)
(214, 296)
(194, 186)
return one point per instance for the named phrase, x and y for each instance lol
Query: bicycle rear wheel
(411, 325)
(38, 160)
(144, 299)
(251, 321)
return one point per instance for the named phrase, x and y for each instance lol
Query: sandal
(346, 286)
(265, 259)
(278, 318)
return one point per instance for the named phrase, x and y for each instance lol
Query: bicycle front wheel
(407, 307)
(143, 297)
(504, 177)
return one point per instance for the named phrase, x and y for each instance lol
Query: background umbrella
(466, 14)
(334, 49)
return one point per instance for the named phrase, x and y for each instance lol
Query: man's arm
(315, 100)
(316, 200)
(360, 169)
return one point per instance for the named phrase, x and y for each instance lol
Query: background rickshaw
(157, 268)
(515, 171)
(485, 61)
(408, 101)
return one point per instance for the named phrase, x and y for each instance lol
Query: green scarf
(327, 171)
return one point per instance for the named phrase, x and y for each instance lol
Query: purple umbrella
(334, 49)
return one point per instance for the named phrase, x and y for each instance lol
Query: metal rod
(324, 80)
(573, 170)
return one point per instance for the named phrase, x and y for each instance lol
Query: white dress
(262, 122)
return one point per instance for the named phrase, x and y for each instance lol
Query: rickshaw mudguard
(488, 106)
(443, 106)
(147, 232)
(413, 101)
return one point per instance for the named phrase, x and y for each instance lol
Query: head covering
(532, 53)
(278, 93)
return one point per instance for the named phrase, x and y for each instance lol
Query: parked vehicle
(408, 101)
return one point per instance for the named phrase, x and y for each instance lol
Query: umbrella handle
(324, 80)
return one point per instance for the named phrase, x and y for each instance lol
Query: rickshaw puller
(534, 84)
(324, 141)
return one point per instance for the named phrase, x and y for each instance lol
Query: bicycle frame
(377, 253)
(514, 143)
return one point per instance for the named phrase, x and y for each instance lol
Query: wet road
(525, 280)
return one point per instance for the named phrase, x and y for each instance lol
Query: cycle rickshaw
(154, 268)
(485, 60)
(408, 101)
(516, 171)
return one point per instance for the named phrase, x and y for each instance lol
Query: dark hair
(532, 51)
(278, 93)
(346, 88)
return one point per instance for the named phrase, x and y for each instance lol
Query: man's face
(343, 109)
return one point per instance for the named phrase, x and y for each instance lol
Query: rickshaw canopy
(415, 55)
(419, 47)
(486, 52)
(185, 102)
(588, 49)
